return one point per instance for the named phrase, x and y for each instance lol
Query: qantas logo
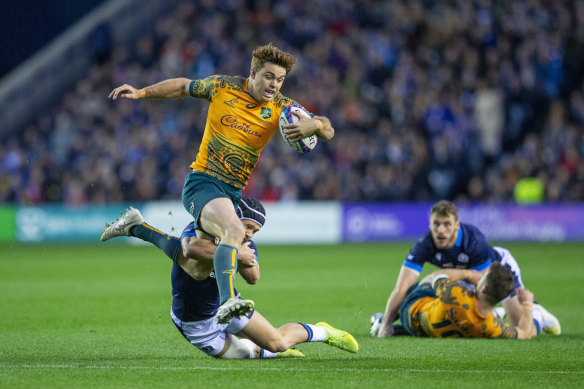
(232, 102)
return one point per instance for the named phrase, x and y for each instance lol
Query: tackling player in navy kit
(196, 295)
(450, 244)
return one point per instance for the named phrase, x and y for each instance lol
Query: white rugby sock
(267, 354)
(315, 333)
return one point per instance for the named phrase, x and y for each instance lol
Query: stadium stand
(429, 99)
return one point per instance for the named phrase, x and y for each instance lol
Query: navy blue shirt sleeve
(420, 253)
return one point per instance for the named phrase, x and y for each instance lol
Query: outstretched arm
(167, 89)
(407, 277)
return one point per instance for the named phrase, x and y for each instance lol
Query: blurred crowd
(429, 99)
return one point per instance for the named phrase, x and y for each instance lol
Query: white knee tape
(240, 349)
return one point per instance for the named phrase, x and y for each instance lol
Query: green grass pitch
(97, 316)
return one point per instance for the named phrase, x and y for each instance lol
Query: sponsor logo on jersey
(438, 257)
(462, 258)
(266, 113)
(410, 257)
(232, 102)
(251, 106)
(231, 121)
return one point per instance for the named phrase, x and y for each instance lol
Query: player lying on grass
(452, 244)
(442, 306)
(196, 296)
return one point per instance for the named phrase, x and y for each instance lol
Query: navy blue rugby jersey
(470, 251)
(194, 300)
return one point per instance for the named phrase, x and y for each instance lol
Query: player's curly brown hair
(270, 53)
(499, 283)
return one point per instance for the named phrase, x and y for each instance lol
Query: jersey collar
(459, 238)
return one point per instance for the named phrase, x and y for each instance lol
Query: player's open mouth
(270, 93)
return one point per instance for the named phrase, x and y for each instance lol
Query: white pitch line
(256, 368)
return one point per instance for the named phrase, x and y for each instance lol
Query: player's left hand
(125, 91)
(524, 295)
(301, 129)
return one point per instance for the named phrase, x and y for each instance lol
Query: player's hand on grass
(125, 91)
(385, 331)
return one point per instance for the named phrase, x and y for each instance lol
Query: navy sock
(225, 263)
(167, 243)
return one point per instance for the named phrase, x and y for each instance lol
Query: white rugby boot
(121, 227)
(234, 307)
(551, 324)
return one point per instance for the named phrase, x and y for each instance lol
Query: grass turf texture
(98, 316)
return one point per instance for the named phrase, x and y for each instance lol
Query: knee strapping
(240, 349)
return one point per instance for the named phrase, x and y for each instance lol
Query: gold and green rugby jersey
(454, 314)
(237, 130)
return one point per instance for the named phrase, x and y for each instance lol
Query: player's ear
(252, 73)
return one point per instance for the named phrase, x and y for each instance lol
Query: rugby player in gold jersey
(243, 116)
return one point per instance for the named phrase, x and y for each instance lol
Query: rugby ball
(291, 114)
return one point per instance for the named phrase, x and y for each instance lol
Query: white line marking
(255, 368)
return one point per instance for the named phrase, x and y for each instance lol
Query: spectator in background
(408, 101)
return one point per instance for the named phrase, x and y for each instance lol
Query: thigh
(199, 189)
(218, 215)
(260, 331)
